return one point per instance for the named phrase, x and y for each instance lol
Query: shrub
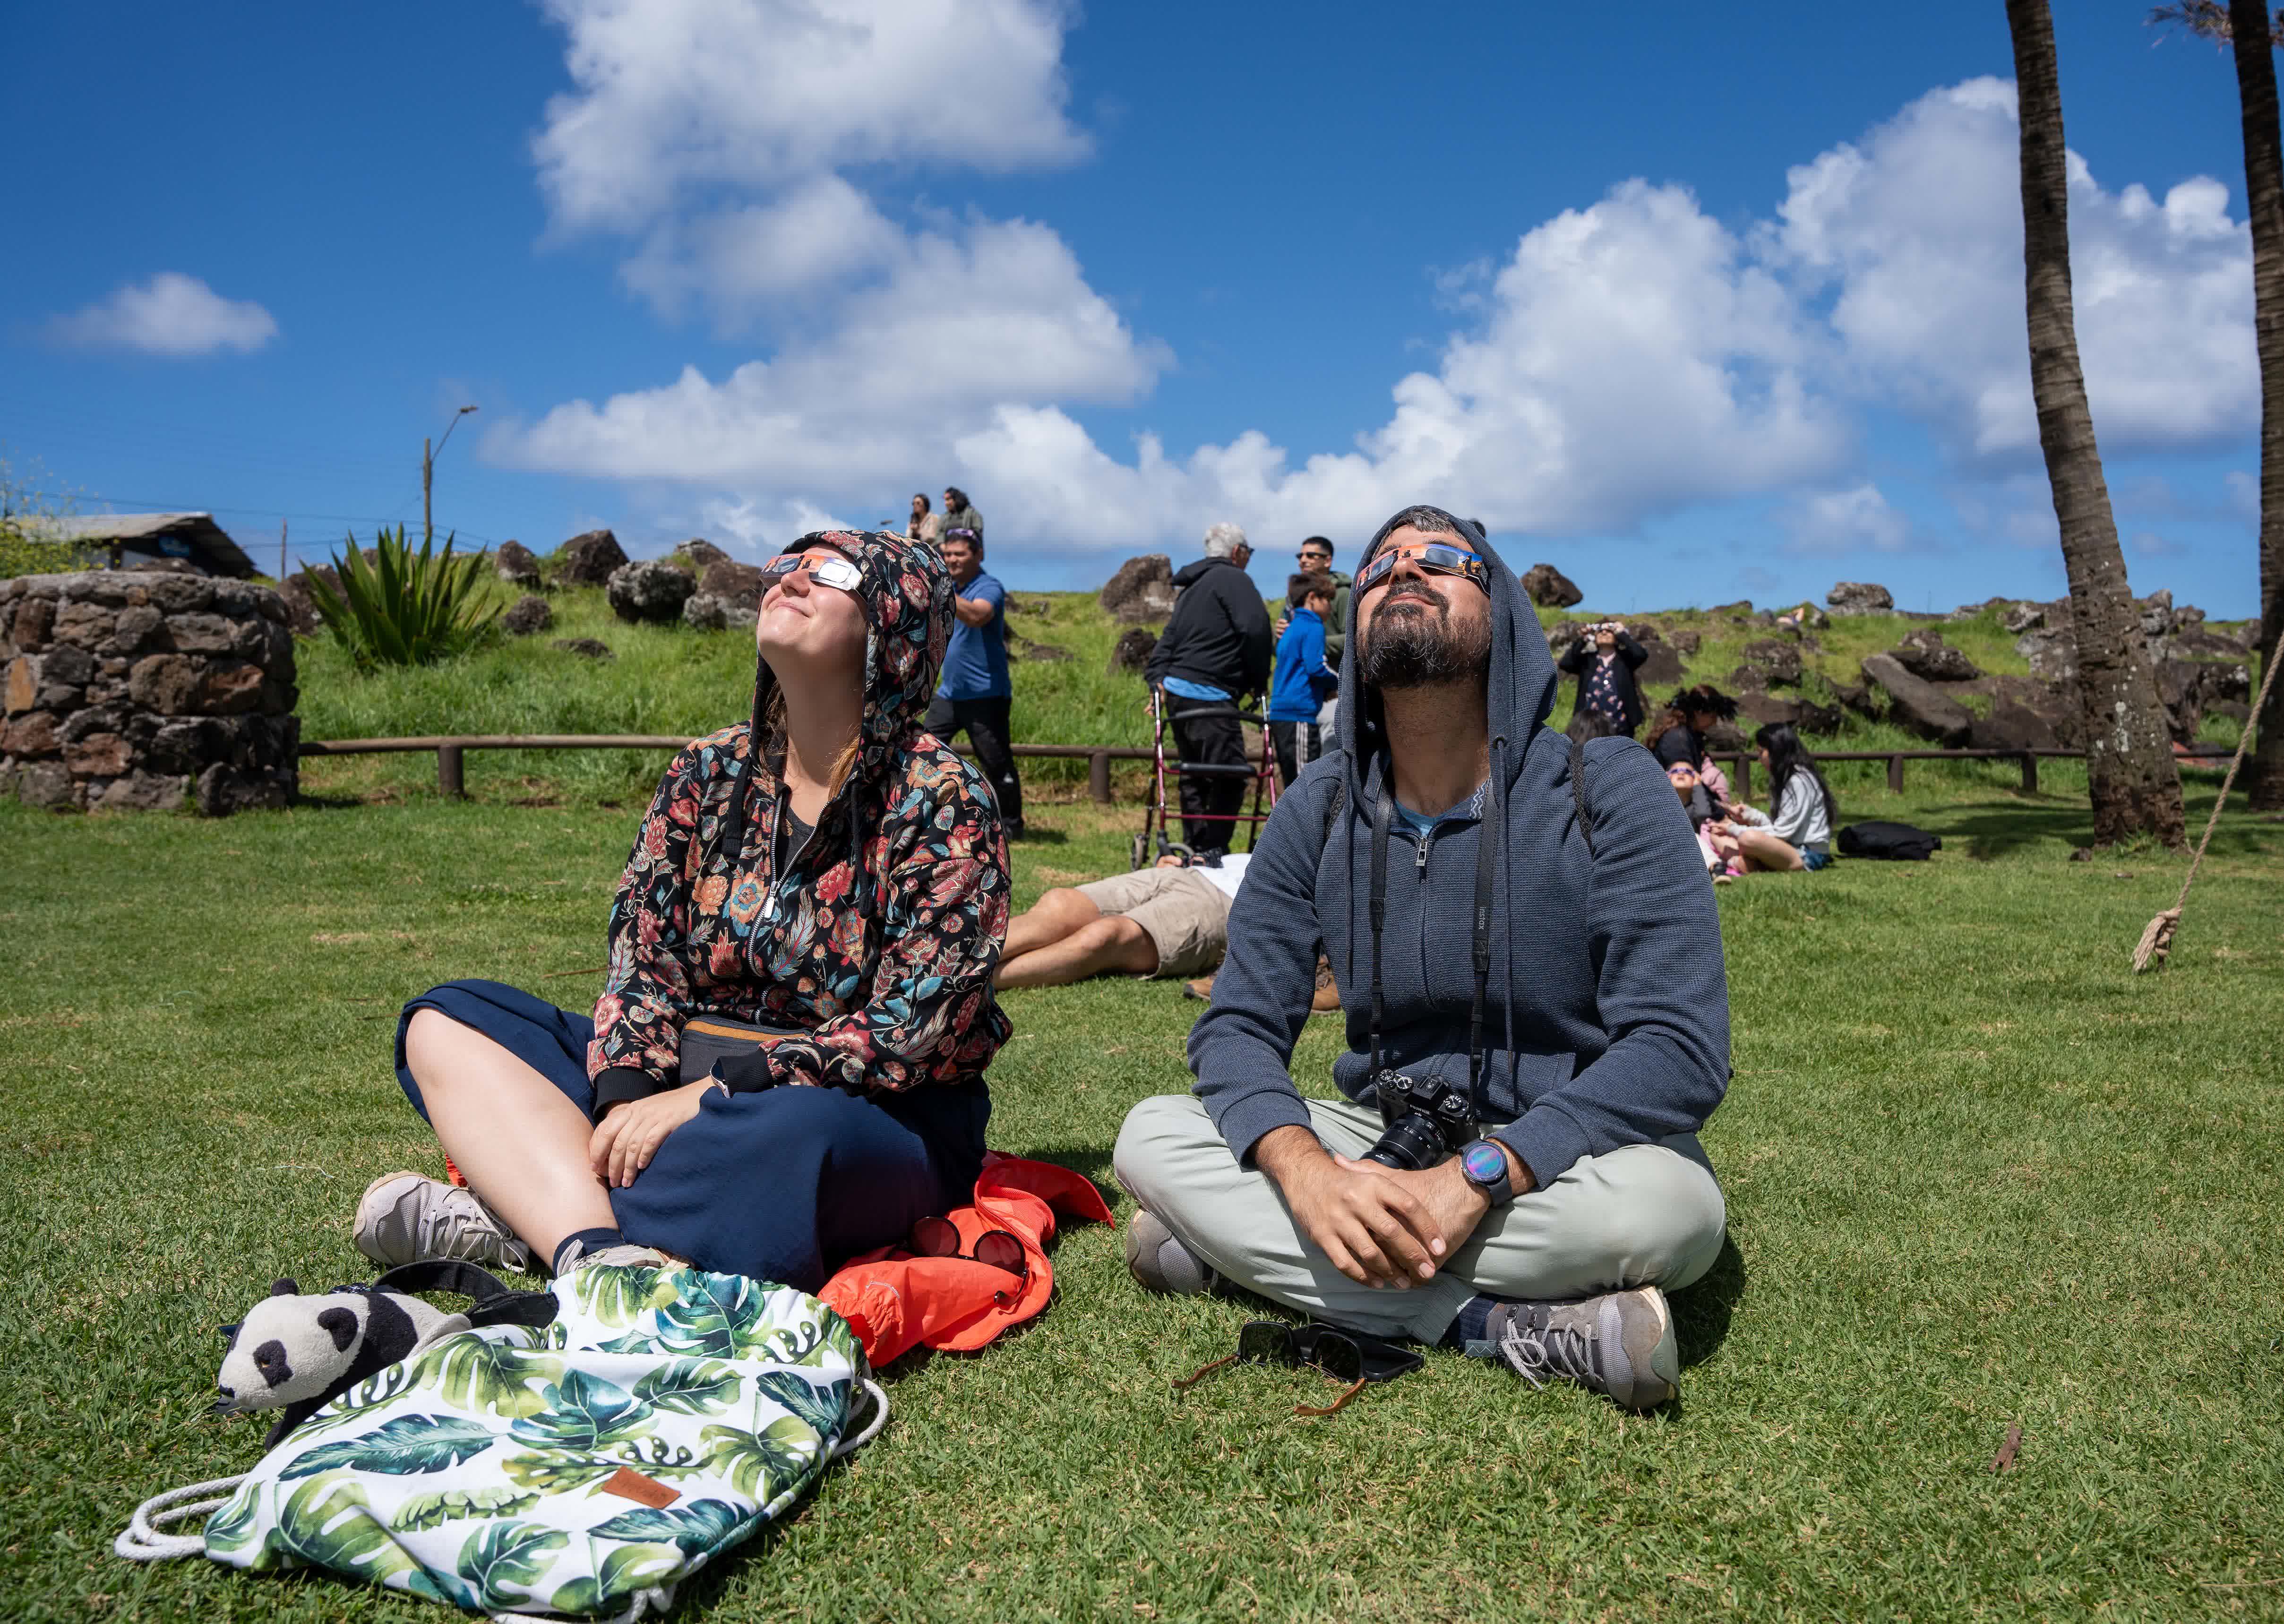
(404, 607)
(24, 555)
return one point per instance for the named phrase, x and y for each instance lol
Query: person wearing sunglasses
(1528, 960)
(785, 1067)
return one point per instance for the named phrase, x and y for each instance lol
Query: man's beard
(1418, 648)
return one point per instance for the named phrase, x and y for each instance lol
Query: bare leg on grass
(1054, 916)
(520, 1144)
(1113, 944)
(1763, 850)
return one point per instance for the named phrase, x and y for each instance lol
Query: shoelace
(461, 1226)
(1541, 1356)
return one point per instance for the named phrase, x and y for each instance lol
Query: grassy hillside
(670, 680)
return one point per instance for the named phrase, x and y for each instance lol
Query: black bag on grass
(1897, 842)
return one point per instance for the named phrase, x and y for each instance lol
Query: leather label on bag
(628, 1483)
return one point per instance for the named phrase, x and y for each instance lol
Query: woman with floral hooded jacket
(844, 884)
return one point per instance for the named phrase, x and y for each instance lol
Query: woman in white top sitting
(1798, 834)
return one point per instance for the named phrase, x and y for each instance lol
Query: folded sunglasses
(1434, 556)
(1345, 1356)
(1002, 1249)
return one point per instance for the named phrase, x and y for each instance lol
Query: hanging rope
(2157, 939)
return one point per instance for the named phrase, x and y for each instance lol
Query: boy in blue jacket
(1302, 681)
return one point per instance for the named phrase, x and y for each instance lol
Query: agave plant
(405, 606)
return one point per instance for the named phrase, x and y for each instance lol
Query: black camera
(1427, 1120)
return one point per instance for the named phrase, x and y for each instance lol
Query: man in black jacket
(1217, 648)
(1604, 659)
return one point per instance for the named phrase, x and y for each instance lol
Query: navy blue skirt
(785, 1184)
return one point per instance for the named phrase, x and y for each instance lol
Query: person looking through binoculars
(1529, 967)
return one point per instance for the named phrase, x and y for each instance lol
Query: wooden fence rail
(452, 778)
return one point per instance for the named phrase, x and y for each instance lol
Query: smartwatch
(1484, 1164)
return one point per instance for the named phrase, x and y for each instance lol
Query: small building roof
(205, 541)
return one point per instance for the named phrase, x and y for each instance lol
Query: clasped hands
(629, 1135)
(1381, 1227)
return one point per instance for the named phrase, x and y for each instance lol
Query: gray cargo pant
(1644, 1215)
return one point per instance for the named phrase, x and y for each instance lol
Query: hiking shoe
(1621, 1344)
(406, 1218)
(625, 1255)
(1202, 989)
(1161, 1263)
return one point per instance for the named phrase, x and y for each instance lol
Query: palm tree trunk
(2264, 191)
(2129, 753)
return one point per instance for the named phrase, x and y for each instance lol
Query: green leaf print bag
(584, 1467)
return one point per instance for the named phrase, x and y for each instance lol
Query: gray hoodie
(1607, 1020)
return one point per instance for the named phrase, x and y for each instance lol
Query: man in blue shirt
(975, 694)
(1302, 681)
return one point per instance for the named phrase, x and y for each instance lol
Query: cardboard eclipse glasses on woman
(827, 570)
(1438, 557)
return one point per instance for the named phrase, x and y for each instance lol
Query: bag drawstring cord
(143, 1542)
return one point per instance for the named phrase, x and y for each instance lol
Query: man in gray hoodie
(1544, 946)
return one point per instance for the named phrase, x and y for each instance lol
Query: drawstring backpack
(585, 1467)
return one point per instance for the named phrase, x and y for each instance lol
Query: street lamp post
(428, 474)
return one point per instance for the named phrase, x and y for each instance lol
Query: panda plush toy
(296, 1353)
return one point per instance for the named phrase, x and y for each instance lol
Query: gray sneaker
(1161, 1263)
(1621, 1344)
(625, 1255)
(406, 1218)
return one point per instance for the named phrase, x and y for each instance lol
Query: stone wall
(125, 689)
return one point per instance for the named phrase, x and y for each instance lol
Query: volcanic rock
(709, 612)
(1924, 654)
(701, 555)
(1046, 653)
(1549, 588)
(737, 585)
(1859, 597)
(1131, 653)
(586, 648)
(589, 559)
(1917, 704)
(649, 590)
(1141, 591)
(526, 615)
(517, 564)
(1773, 663)
(2024, 617)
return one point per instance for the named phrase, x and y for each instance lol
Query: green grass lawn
(1978, 1174)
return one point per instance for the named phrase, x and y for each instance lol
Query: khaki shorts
(1183, 913)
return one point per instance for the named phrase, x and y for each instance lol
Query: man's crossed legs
(1648, 1216)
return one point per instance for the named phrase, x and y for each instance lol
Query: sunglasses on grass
(1436, 557)
(938, 1237)
(828, 571)
(1344, 1355)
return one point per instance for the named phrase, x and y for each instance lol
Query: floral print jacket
(883, 964)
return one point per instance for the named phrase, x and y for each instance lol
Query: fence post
(1895, 775)
(1744, 776)
(450, 778)
(1098, 777)
(2030, 772)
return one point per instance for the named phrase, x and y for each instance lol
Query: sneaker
(1161, 1263)
(1326, 999)
(406, 1218)
(625, 1255)
(1202, 989)
(1621, 1344)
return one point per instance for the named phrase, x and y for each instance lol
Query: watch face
(1484, 1164)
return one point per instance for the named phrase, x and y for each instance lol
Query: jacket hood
(1522, 679)
(906, 593)
(1190, 573)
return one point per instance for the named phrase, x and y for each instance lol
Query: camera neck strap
(1383, 816)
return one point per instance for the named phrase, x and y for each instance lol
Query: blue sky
(1731, 310)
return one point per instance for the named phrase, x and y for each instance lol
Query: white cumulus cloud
(172, 315)
(1843, 520)
(1916, 235)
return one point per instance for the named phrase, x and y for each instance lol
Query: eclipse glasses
(1437, 558)
(831, 571)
